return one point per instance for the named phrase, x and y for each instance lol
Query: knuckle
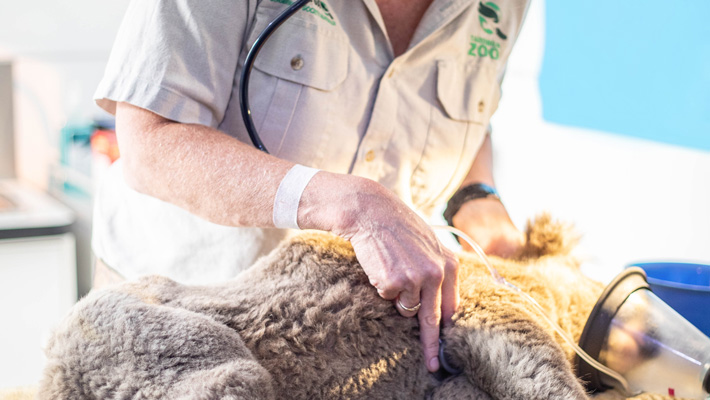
(431, 320)
(386, 291)
(398, 283)
(382, 285)
(451, 266)
(435, 274)
(431, 345)
(414, 279)
(387, 295)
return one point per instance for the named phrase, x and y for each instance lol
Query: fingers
(429, 319)
(408, 303)
(428, 291)
(387, 293)
(390, 288)
(423, 298)
(404, 260)
(450, 290)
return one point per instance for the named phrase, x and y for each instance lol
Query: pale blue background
(635, 67)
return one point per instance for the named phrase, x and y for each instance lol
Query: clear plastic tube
(566, 337)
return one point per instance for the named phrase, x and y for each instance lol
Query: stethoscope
(249, 64)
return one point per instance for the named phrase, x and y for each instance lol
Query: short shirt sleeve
(176, 58)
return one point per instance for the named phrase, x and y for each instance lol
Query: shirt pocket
(466, 96)
(292, 85)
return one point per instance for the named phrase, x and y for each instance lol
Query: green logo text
(481, 47)
(488, 18)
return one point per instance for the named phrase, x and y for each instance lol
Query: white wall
(66, 29)
(632, 199)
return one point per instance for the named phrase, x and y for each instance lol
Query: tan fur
(304, 323)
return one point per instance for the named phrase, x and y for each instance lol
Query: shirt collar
(439, 13)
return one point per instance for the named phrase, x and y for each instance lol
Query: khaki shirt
(326, 91)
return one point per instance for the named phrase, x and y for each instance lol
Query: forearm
(215, 176)
(485, 219)
(481, 170)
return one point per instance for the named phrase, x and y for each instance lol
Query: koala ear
(546, 237)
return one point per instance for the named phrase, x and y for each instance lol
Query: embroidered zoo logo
(488, 17)
(321, 9)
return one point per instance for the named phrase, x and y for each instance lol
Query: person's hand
(405, 262)
(487, 222)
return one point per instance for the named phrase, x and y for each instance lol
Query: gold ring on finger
(409, 309)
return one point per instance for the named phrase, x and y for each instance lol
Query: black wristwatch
(467, 193)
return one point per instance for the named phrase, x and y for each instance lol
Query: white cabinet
(37, 279)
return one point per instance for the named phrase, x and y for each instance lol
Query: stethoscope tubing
(249, 64)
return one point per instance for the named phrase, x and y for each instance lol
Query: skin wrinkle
(415, 279)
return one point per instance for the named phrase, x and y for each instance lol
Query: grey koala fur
(304, 323)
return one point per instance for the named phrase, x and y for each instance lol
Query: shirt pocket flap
(467, 92)
(305, 54)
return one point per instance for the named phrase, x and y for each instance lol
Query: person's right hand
(402, 257)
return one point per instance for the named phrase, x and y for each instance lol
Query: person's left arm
(485, 219)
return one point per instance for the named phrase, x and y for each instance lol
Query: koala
(304, 323)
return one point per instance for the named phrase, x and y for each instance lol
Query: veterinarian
(375, 111)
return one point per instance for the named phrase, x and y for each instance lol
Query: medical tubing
(499, 279)
(249, 64)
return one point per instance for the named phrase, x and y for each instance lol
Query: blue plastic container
(683, 286)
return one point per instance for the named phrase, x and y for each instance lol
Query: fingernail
(434, 364)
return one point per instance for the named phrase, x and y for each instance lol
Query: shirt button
(297, 63)
(481, 106)
(369, 156)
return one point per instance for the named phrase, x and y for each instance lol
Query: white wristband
(289, 194)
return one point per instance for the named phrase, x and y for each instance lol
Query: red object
(104, 142)
(671, 392)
